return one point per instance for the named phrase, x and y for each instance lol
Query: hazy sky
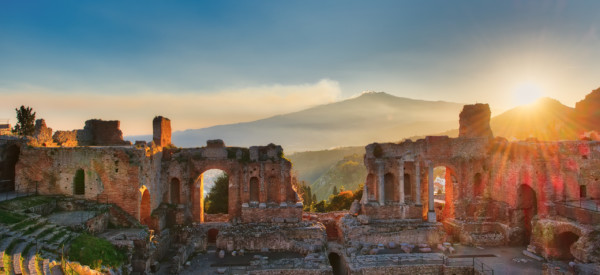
(203, 63)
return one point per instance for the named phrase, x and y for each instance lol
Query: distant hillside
(349, 172)
(546, 119)
(371, 117)
(313, 164)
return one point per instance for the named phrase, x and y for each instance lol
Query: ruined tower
(161, 131)
(474, 121)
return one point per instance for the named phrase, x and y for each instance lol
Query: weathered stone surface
(161, 127)
(474, 121)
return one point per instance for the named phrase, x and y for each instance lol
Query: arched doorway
(254, 190)
(145, 207)
(211, 237)
(272, 190)
(79, 182)
(337, 264)
(563, 243)
(7, 174)
(478, 186)
(390, 188)
(407, 189)
(371, 188)
(526, 209)
(214, 192)
(175, 190)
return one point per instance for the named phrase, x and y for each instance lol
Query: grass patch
(22, 225)
(25, 202)
(34, 228)
(27, 248)
(7, 217)
(95, 252)
(57, 236)
(45, 233)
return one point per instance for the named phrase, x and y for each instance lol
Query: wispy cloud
(65, 111)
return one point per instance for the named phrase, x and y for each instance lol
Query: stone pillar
(365, 197)
(417, 183)
(261, 194)
(431, 213)
(401, 180)
(380, 182)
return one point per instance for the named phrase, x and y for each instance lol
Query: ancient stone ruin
(497, 193)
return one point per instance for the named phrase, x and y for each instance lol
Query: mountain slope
(311, 165)
(368, 118)
(349, 172)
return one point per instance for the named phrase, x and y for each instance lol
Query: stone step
(30, 259)
(46, 267)
(16, 256)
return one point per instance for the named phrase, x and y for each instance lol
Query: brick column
(431, 213)
(417, 183)
(380, 186)
(401, 180)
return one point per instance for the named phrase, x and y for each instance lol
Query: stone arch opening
(389, 187)
(215, 191)
(79, 182)
(526, 209)
(337, 264)
(211, 236)
(254, 190)
(407, 188)
(272, 190)
(582, 191)
(478, 186)
(145, 207)
(563, 243)
(444, 189)
(371, 188)
(175, 190)
(7, 174)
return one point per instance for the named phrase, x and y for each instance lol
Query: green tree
(341, 201)
(319, 207)
(25, 121)
(217, 200)
(335, 191)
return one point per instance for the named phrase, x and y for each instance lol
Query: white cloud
(65, 111)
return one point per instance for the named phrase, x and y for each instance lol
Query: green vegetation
(25, 202)
(313, 164)
(23, 224)
(45, 232)
(95, 252)
(8, 266)
(348, 172)
(25, 122)
(217, 200)
(7, 217)
(341, 201)
(38, 264)
(57, 236)
(34, 228)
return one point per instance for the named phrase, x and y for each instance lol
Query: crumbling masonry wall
(260, 170)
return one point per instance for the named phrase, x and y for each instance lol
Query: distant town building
(5, 127)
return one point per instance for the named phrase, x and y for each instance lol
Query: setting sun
(527, 93)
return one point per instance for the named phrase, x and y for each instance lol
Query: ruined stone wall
(113, 174)
(264, 166)
(99, 132)
(474, 121)
(303, 237)
(161, 127)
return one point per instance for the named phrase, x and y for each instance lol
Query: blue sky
(203, 63)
